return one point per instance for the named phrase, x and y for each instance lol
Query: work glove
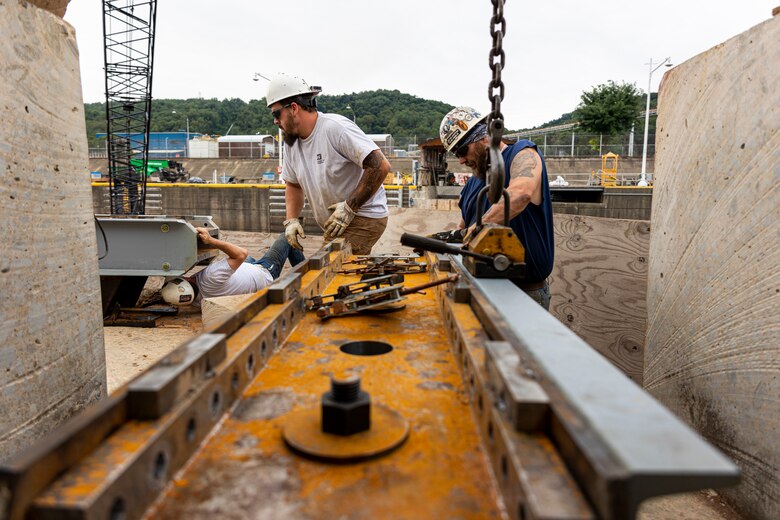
(341, 218)
(453, 236)
(293, 228)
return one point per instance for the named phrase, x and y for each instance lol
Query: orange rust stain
(94, 472)
(439, 472)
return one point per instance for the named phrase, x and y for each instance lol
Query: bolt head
(346, 418)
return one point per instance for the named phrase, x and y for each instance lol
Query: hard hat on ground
(178, 292)
(456, 124)
(282, 87)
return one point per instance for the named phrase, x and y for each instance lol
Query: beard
(481, 160)
(289, 139)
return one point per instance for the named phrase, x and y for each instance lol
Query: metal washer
(303, 433)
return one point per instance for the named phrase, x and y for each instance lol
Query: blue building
(163, 145)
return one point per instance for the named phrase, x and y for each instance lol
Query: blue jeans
(274, 258)
(541, 296)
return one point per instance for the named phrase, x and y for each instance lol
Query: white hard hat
(283, 86)
(456, 124)
(178, 292)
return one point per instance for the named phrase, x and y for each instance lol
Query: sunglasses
(462, 150)
(278, 112)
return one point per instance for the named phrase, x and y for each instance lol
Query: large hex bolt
(346, 409)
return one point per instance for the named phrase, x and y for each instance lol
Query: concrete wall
(250, 208)
(238, 207)
(619, 203)
(51, 337)
(713, 338)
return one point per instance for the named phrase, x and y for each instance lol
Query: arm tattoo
(524, 166)
(374, 172)
(373, 160)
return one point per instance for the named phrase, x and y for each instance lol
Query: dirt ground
(130, 350)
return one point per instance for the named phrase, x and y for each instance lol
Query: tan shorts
(363, 233)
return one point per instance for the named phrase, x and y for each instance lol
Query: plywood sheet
(598, 285)
(713, 339)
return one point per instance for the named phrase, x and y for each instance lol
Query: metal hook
(481, 198)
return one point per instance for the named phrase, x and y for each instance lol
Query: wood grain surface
(598, 285)
(598, 282)
(712, 350)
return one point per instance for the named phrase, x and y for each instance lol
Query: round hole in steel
(160, 465)
(250, 364)
(191, 430)
(504, 467)
(366, 348)
(118, 510)
(234, 381)
(216, 403)
(521, 509)
(501, 401)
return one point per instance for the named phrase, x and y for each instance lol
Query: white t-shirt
(328, 165)
(219, 279)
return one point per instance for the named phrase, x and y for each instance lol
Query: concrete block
(713, 294)
(51, 331)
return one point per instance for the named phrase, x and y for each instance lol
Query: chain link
(496, 61)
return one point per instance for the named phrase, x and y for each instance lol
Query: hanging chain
(496, 169)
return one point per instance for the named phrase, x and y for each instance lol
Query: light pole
(187, 142)
(257, 77)
(349, 107)
(668, 62)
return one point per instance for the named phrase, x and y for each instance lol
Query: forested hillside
(376, 112)
(408, 118)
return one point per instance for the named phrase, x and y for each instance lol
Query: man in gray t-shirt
(240, 273)
(333, 163)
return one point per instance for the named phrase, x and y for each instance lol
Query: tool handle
(437, 246)
(428, 244)
(417, 288)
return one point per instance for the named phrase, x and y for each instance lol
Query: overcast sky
(433, 49)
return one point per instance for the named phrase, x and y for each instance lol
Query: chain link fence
(556, 144)
(578, 144)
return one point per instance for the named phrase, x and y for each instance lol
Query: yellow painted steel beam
(490, 435)
(439, 472)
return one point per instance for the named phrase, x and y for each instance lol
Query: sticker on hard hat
(454, 135)
(185, 298)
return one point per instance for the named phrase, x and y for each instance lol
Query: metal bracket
(520, 399)
(284, 289)
(319, 260)
(154, 393)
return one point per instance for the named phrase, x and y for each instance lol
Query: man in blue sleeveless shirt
(463, 132)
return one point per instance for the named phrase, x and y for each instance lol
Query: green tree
(609, 108)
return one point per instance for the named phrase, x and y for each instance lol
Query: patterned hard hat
(456, 124)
